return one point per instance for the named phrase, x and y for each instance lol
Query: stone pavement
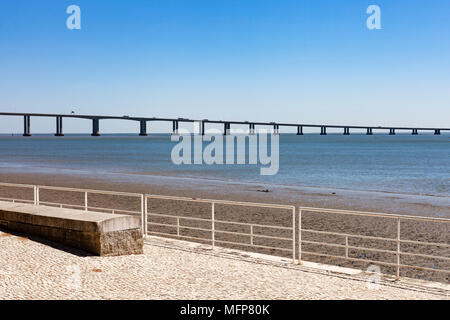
(35, 269)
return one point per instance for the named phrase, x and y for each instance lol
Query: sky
(257, 60)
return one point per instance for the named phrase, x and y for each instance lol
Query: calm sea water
(400, 164)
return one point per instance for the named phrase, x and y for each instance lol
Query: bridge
(226, 124)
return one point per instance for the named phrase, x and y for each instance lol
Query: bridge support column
(252, 129)
(392, 132)
(226, 129)
(414, 132)
(369, 131)
(276, 129)
(95, 127)
(175, 127)
(59, 130)
(143, 129)
(26, 126)
(323, 131)
(437, 132)
(346, 131)
(300, 130)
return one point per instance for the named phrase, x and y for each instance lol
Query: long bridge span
(226, 124)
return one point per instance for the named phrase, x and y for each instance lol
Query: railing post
(146, 215)
(346, 246)
(35, 195)
(398, 248)
(299, 236)
(251, 234)
(85, 201)
(293, 235)
(142, 215)
(213, 233)
(178, 226)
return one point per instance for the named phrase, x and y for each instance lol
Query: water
(418, 165)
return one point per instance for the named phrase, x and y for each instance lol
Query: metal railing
(397, 239)
(85, 206)
(296, 230)
(214, 231)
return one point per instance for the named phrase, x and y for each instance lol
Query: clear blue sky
(307, 61)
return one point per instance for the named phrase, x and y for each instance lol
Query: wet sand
(307, 197)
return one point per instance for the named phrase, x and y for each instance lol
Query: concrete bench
(98, 233)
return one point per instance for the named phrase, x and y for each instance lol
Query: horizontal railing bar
(220, 231)
(375, 249)
(350, 247)
(162, 224)
(254, 235)
(176, 217)
(374, 214)
(180, 226)
(238, 203)
(16, 185)
(270, 237)
(231, 232)
(348, 235)
(118, 193)
(219, 221)
(16, 200)
(427, 243)
(424, 255)
(424, 268)
(255, 225)
(348, 258)
(89, 207)
(194, 228)
(376, 238)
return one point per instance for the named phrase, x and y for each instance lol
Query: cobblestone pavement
(33, 269)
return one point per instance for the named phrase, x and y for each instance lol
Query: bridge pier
(59, 131)
(369, 131)
(414, 132)
(346, 131)
(26, 126)
(143, 129)
(252, 129)
(323, 131)
(95, 127)
(175, 127)
(226, 129)
(437, 132)
(392, 132)
(276, 129)
(299, 130)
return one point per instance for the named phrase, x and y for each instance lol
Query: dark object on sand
(263, 190)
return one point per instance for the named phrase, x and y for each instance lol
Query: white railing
(84, 206)
(214, 221)
(295, 229)
(397, 240)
